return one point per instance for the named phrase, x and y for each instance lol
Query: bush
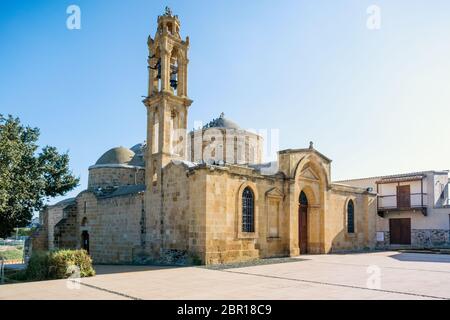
(62, 262)
(38, 266)
(58, 264)
(13, 276)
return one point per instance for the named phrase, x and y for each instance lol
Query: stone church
(204, 196)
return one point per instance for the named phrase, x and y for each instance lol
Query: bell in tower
(167, 62)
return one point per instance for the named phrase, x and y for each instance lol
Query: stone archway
(311, 184)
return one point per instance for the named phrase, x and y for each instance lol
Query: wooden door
(403, 197)
(400, 231)
(303, 228)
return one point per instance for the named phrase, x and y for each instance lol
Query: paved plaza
(377, 275)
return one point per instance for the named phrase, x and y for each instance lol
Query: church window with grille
(248, 211)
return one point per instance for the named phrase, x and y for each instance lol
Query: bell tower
(167, 102)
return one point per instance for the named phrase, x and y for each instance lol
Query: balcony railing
(390, 203)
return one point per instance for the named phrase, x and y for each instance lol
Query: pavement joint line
(336, 285)
(382, 267)
(109, 291)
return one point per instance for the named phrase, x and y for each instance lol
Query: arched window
(248, 211)
(350, 217)
(84, 222)
(303, 199)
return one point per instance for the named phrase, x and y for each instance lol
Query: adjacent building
(412, 209)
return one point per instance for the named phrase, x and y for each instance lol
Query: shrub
(58, 264)
(62, 262)
(13, 276)
(38, 266)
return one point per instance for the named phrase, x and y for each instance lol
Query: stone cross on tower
(168, 12)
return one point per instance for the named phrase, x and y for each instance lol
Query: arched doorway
(85, 241)
(303, 223)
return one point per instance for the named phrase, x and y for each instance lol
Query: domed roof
(118, 155)
(222, 122)
(137, 148)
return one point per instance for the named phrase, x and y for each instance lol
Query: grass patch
(12, 254)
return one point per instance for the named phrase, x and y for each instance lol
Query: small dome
(118, 155)
(138, 148)
(222, 122)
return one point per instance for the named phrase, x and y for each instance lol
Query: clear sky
(375, 101)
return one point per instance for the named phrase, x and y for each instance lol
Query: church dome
(222, 122)
(118, 155)
(138, 148)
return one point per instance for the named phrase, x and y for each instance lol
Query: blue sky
(375, 101)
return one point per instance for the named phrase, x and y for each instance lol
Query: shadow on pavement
(422, 257)
(111, 269)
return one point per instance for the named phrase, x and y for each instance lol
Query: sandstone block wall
(65, 231)
(364, 220)
(39, 240)
(113, 225)
(104, 177)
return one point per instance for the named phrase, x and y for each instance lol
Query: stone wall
(420, 238)
(198, 213)
(430, 238)
(176, 219)
(66, 230)
(104, 177)
(195, 215)
(113, 225)
(39, 239)
(363, 236)
(55, 215)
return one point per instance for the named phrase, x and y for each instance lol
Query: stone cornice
(351, 189)
(314, 151)
(124, 166)
(237, 170)
(158, 97)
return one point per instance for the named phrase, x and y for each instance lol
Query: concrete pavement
(378, 275)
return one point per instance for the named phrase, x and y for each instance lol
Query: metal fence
(6, 243)
(11, 242)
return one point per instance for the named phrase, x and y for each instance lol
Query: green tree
(28, 176)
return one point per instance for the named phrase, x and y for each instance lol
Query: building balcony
(393, 203)
(402, 193)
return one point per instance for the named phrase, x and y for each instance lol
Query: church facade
(205, 196)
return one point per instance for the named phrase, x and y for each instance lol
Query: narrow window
(248, 212)
(350, 217)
